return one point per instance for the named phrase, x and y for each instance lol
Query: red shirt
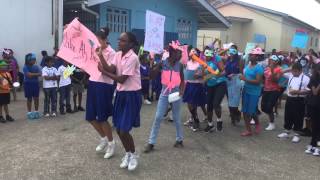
(270, 85)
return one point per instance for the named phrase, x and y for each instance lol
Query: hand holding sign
(79, 48)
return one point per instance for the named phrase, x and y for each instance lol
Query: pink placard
(79, 48)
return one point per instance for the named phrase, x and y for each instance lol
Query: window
(311, 41)
(316, 43)
(117, 20)
(184, 29)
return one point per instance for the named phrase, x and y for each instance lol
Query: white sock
(219, 120)
(111, 142)
(104, 139)
(210, 123)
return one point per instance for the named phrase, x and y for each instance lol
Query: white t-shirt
(63, 81)
(50, 72)
(294, 83)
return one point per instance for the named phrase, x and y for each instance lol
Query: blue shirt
(31, 69)
(250, 73)
(214, 65)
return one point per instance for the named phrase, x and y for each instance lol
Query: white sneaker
(295, 139)
(188, 122)
(316, 152)
(283, 135)
(133, 162)
(125, 161)
(309, 149)
(147, 102)
(110, 150)
(53, 114)
(102, 145)
(47, 115)
(252, 122)
(271, 127)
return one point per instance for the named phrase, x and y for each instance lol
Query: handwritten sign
(300, 40)
(154, 36)
(79, 48)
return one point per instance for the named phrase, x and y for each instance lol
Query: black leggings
(215, 96)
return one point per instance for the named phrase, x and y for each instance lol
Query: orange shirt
(5, 84)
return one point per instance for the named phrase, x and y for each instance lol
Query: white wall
(26, 26)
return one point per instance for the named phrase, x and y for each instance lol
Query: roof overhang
(208, 16)
(238, 19)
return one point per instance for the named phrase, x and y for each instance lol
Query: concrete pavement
(64, 148)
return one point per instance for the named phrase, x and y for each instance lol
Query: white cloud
(306, 10)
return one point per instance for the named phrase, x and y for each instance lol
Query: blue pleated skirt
(195, 94)
(126, 112)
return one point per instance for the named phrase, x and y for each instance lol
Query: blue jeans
(64, 97)
(50, 96)
(161, 110)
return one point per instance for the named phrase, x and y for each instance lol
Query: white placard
(154, 36)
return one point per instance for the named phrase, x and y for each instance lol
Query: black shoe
(305, 132)
(80, 108)
(178, 144)
(69, 110)
(62, 113)
(209, 129)
(75, 109)
(195, 126)
(219, 126)
(9, 118)
(148, 148)
(2, 120)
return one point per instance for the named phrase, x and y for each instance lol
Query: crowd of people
(204, 81)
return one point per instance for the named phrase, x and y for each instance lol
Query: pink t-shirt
(128, 65)
(108, 55)
(269, 85)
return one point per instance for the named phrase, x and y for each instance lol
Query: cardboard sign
(154, 37)
(249, 47)
(79, 48)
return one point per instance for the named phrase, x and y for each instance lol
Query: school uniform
(194, 93)
(31, 84)
(100, 92)
(50, 89)
(295, 104)
(64, 90)
(128, 101)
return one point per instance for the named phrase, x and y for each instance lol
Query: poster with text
(154, 36)
(79, 48)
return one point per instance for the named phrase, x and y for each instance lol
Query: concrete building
(30, 26)
(183, 18)
(251, 23)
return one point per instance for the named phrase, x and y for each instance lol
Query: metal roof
(208, 16)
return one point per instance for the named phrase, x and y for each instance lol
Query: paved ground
(64, 148)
